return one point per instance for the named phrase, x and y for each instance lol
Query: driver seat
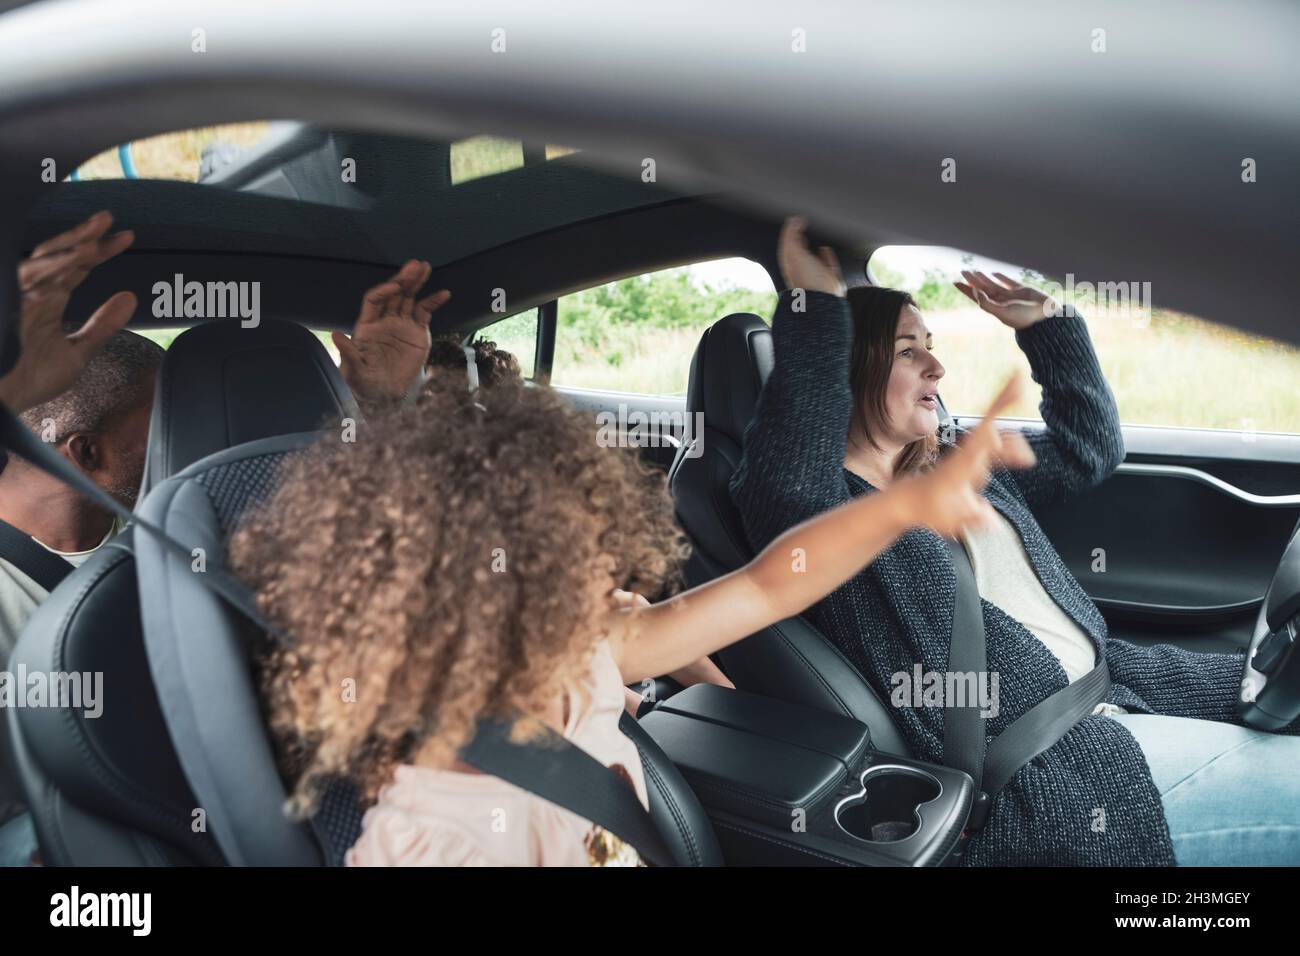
(791, 660)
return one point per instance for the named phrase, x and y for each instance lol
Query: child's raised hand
(947, 499)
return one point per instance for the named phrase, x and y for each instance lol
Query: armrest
(784, 783)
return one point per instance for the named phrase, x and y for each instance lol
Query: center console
(785, 784)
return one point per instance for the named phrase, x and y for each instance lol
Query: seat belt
(557, 770)
(40, 564)
(991, 767)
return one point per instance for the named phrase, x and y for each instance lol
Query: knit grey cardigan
(1087, 800)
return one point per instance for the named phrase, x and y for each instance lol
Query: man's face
(124, 453)
(114, 458)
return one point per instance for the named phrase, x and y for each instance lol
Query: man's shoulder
(20, 596)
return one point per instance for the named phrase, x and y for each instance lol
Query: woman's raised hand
(947, 498)
(1014, 304)
(800, 267)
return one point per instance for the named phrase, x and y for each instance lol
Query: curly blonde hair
(441, 568)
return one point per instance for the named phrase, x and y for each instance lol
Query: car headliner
(1116, 166)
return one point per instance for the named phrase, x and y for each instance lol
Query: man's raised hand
(390, 342)
(52, 359)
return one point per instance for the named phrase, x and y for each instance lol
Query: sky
(911, 261)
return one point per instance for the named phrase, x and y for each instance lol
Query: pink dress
(428, 817)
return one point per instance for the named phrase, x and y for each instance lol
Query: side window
(518, 336)
(638, 334)
(163, 336)
(166, 335)
(1165, 368)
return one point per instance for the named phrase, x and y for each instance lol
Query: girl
(849, 409)
(480, 553)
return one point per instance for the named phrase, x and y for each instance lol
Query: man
(101, 426)
(98, 433)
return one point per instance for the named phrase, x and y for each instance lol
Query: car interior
(1194, 520)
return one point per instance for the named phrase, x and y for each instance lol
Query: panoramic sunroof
(233, 153)
(292, 188)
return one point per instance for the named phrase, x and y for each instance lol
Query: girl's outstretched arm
(806, 563)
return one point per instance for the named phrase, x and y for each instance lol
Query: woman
(849, 408)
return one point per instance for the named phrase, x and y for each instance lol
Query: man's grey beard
(128, 489)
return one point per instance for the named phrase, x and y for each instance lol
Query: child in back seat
(472, 556)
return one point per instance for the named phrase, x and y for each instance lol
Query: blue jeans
(17, 841)
(1231, 794)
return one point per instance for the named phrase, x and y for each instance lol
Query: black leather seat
(109, 790)
(131, 787)
(223, 385)
(791, 660)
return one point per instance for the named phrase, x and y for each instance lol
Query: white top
(1005, 577)
(20, 595)
(438, 817)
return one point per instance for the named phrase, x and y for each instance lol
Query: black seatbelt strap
(1042, 726)
(1034, 731)
(40, 564)
(963, 727)
(556, 770)
(569, 777)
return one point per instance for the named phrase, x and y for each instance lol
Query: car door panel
(1180, 543)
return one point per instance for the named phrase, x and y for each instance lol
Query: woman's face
(911, 404)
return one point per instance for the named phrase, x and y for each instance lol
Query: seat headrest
(222, 384)
(731, 365)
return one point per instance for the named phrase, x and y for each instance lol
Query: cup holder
(885, 810)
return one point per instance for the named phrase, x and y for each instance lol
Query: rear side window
(638, 335)
(517, 335)
(167, 335)
(1165, 367)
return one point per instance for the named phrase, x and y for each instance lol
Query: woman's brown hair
(440, 569)
(874, 311)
